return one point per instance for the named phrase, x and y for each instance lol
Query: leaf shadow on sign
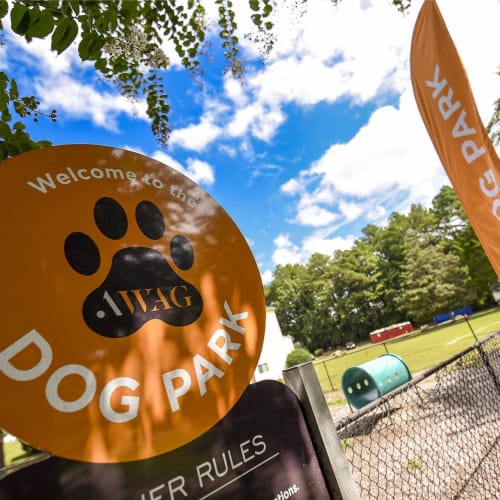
(143, 418)
(169, 384)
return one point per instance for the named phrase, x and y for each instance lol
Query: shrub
(318, 352)
(298, 356)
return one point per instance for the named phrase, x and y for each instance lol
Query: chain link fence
(436, 437)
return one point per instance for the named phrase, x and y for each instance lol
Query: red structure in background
(389, 332)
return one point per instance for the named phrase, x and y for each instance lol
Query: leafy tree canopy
(433, 282)
(298, 356)
(124, 39)
(418, 265)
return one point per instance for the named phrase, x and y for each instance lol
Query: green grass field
(12, 451)
(420, 350)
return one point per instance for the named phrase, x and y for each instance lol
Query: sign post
(302, 379)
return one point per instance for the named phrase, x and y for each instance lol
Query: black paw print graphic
(141, 285)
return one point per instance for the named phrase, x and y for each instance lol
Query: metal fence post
(487, 363)
(303, 381)
(328, 375)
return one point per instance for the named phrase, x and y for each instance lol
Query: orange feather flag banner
(447, 106)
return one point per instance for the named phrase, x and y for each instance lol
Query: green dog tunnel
(369, 381)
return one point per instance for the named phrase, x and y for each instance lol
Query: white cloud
(228, 150)
(198, 171)
(265, 127)
(324, 58)
(376, 214)
(267, 277)
(392, 152)
(235, 91)
(85, 101)
(261, 120)
(38, 52)
(324, 45)
(293, 186)
(350, 210)
(474, 33)
(305, 81)
(286, 252)
(168, 160)
(196, 137)
(318, 244)
(314, 215)
(242, 120)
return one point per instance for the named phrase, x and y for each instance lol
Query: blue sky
(320, 141)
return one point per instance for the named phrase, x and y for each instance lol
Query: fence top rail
(412, 382)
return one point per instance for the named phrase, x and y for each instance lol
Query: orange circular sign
(133, 311)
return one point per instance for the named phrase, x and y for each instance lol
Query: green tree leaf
(4, 8)
(109, 19)
(43, 26)
(4, 101)
(75, 6)
(19, 19)
(64, 34)
(14, 93)
(5, 131)
(90, 46)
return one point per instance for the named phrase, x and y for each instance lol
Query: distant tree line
(415, 267)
